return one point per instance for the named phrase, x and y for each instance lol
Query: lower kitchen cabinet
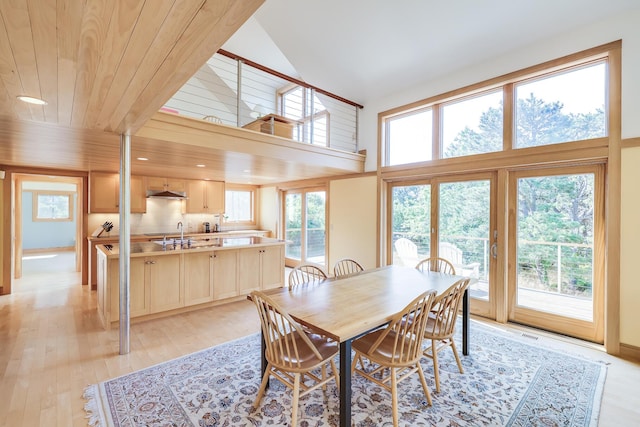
(163, 274)
(154, 285)
(225, 274)
(260, 268)
(198, 278)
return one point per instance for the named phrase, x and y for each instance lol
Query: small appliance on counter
(207, 227)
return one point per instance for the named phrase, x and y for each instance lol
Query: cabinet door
(103, 192)
(249, 276)
(225, 274)
(166, 287)
(198, 278)
(214, 196)
(195, 193)
(272, 267)
(176, 184)
(155, 183)
(138, 288)
(138, 195)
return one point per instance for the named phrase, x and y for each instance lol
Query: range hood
(166, 194)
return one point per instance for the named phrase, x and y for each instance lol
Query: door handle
(494, 250)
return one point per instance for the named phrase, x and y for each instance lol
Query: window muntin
(410, 137)
(563, 107)
(473, 125)
(52, 206)
(240, 205)
(302, 104)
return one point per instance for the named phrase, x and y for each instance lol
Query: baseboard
(630, 352)
(46, 250)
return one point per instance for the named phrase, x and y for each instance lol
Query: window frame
(35, 204)
(252, 189)
(507, 84)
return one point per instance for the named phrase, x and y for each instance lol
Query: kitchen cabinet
(154, 285)
(198, 278)
(104, 193)
(225, 274)
(163, 276)
(138, 289)
(166, 184)
(204, 197)
(260, 268)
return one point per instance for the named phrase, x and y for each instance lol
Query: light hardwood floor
(52, 347)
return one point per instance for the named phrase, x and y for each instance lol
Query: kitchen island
(170, 276)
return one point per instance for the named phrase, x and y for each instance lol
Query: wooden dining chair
(440, 265)
(394, 352)
(346, 266)
(306, 273)
(292, 354)
(441, 325)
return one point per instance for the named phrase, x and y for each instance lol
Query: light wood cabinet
(198, 278)
(204, 197)
(225, 274)
(138, 287)
(163, 275)
(104, 193)
(165, 184)
(260, 268)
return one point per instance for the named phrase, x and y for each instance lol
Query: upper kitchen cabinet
(166, 184)
(204, 197)
(104, 193)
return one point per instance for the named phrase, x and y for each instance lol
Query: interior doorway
(48, 224)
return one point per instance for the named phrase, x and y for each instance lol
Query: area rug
(507, 382)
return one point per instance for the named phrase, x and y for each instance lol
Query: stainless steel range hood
(166, 194)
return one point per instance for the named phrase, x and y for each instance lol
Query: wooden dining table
(349, 307)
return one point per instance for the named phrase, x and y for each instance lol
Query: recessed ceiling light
(32, 100)
(200, 166)
(144, 159)
(246, 170)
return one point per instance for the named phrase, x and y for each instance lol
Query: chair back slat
(346, 266)
(447, 310)
(283, 335)
(436, 264)
(407, 329)
(306, 273)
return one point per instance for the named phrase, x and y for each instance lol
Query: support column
(125, 241)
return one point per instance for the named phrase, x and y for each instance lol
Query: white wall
(268, 210)
(623, 27)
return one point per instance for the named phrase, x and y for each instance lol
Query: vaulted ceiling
(105, 67)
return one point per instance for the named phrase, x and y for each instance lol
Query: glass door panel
(464, 230)
(315, 227)
(293, 226)
(410, 224)
(556, 276)
(555, 245)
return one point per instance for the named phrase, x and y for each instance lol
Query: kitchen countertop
(197, 244)
(224, 233)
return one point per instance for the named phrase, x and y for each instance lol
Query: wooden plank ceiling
(105, 68)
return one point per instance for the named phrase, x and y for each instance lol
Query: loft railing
(234, 91)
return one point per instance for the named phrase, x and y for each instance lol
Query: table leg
(345, 383)
(465, 322)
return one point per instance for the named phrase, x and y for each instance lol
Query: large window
(552, 107)
(303, 105)
(240, 204)
(52, 206)
(562, 107)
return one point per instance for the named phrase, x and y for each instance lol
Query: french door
(451, 218)
(556, 250)
(305, 213)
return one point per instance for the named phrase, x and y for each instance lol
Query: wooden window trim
(34, 210)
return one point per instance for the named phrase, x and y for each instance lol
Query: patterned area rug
(507, 382)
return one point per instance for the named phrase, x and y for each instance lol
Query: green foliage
(551, 209)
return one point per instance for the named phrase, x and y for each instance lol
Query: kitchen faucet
(181, 228)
